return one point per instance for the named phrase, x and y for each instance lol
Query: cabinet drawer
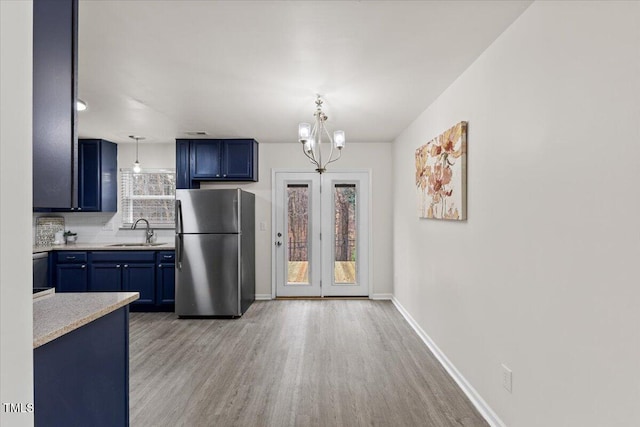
(73, 257)
(123, 256)
(168, 256)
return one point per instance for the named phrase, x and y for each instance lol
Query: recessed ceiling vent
(196, 133)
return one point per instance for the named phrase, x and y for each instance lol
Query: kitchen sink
(124, 245)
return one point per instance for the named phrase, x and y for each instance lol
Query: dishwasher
(41, 270)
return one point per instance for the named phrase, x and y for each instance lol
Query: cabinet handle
(167, 256)
(224, 176)
(79, 209)
(159, 265)
(126, 266)
(71, 257)
(217, 175)
(83, 266)
(117, 265)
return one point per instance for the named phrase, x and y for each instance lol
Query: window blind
(149, 194)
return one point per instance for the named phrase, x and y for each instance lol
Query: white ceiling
(252, 68)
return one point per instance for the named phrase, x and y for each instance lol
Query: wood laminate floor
(290, 363)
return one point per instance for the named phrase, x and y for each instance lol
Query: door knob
(278, 243)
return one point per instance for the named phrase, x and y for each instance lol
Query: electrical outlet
(507, 378)
(263, 226)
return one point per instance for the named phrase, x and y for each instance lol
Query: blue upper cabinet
(97, 175)
(183, 172)
(240, 159)
(200, 160)
(205, 159)
(55, 64)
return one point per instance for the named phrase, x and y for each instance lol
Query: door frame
(369, 173)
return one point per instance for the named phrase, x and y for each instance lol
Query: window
(149, 194)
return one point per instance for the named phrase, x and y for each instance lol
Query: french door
(321, 234)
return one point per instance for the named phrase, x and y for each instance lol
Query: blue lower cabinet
(82, 378)
(105, 277)
(71, 277)
(150, 273)
(140, 278)
(166, 284)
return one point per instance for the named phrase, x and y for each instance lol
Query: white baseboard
(489, 415)
(382, 296)
(263, 297)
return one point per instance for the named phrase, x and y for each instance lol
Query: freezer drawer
(207, 275)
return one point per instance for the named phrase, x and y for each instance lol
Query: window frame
(126, 214)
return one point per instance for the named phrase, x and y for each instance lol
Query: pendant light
(136, 165)
(311, 139)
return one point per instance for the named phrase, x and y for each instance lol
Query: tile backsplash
(98, 227)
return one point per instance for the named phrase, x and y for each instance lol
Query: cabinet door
(140, 277)
(89, 189)
(105, 277)
(205, 159)
(108, 176)
(71, 278)
(183, 172)
(54, 94)
(97, 175)
(237, 159)
(166, 283)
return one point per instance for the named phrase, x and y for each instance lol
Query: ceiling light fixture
(311, 139)
(81, 105)
(136, 165)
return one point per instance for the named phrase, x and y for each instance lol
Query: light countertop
(103, 247)
(60, 313)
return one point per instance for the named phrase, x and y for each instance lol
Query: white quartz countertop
(60, 313)
(104, 247)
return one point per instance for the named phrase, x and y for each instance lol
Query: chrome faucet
(150, 232)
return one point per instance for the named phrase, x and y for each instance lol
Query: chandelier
(311, 139)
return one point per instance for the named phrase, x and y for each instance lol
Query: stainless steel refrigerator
(215, 252)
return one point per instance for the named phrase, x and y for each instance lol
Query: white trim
(263, 297)
(273, 232)
(485, 410)
(381, 296)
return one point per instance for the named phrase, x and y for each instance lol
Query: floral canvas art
(441, 175)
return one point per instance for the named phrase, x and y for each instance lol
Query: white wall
(542, 277)
(373, 156)
(16, 306)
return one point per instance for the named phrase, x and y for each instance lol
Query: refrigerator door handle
(179, 231)
(179, 226)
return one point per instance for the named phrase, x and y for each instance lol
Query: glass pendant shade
(304, 131)
(338, 139)
(308, 146)
(136, 167)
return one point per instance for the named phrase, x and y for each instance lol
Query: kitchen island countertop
(60, 313)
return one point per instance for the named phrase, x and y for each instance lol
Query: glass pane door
(345, 233)
(345, 219)
(321, 234)
(297, 234)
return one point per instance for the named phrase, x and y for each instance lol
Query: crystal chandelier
(311, 139)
